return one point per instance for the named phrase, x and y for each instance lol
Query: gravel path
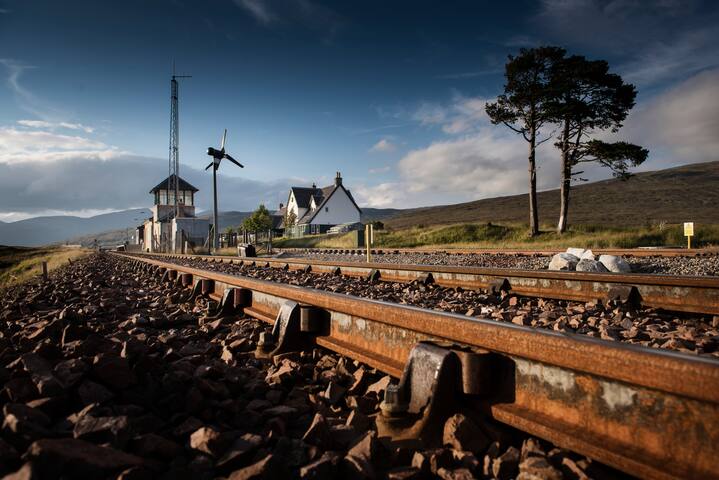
(689, 333)
(107, 373)
(707, 265)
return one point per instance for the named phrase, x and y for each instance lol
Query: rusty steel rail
(654, 414)
(691, 294)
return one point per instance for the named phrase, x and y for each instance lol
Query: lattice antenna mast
(173, 177)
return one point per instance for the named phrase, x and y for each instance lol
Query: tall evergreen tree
(585, 100)
(522, 107)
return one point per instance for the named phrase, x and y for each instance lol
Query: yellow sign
(689, 233)
(688, 229)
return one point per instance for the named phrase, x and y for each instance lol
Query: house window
(327, 209)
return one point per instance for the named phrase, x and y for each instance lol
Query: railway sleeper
(439, 379)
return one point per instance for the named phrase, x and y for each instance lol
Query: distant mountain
(374, 214)
(689, 193)
(227, 219)
(57, 229)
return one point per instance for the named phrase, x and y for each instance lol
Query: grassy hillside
(687, 193)
(18, 264)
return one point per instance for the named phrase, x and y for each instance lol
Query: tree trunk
(564, 195)
(566, 181)
(533, 210)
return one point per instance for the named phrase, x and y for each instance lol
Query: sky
(391, 94)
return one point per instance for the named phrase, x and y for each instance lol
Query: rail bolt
(393, 405)
(266, 341)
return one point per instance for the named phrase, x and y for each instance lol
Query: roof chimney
(314, 185)
(281, 205)
(338, 179)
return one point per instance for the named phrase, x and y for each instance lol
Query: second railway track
(692, 294)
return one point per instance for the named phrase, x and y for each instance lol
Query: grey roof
(183, 185)
(303, 195)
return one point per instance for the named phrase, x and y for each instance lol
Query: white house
(315, 210)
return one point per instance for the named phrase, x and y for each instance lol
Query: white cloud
(464, 114)
(85, 213)
(679, 125)
(43, 171)
(55, 125)
(484, 164)
(384, 195)
(22, 146)
(383, 146)
(384, 169)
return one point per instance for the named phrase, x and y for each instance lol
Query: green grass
(489, 235)
(345, 240)
(18, 264)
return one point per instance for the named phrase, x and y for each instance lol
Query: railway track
(650, 413)
(624, 252)
(674, 293)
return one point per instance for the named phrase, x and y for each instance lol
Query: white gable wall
(293, 207)
(337, 210)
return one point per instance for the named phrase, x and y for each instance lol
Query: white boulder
(588, 255)
(615, 264)
(590, 265)
(563, 261)
(577, 252)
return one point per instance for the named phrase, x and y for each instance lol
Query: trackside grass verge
(20, 264)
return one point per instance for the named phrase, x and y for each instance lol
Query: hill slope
(46, 230)
(686, 193)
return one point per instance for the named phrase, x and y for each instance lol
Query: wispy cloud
(25, 99)
(374, 171)
(670, 60)
(471, 74)
(657, 40)
(383, 146)
(55, 125)
(305, 13)
(258, 9)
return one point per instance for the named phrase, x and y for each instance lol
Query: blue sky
(389, 93)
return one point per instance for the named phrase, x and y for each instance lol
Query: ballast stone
(615, 264)
(587, 265)
(563, 261)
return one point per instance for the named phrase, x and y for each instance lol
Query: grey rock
(615, 264)
(563, 261)
(587, 265)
